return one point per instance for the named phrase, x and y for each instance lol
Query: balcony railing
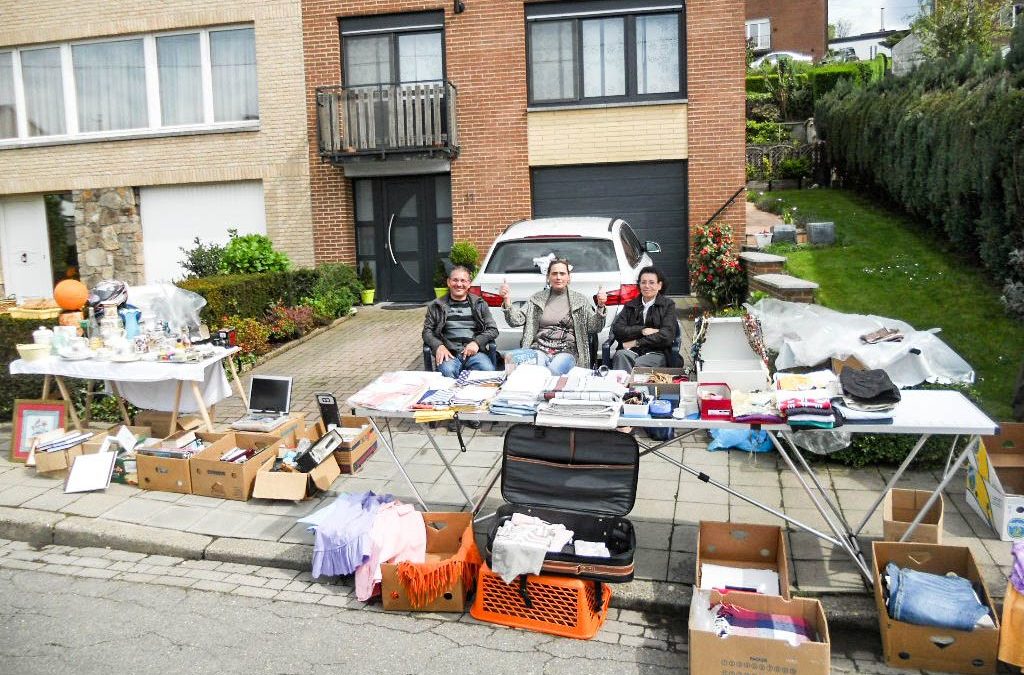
(387, 119)
(760, 43)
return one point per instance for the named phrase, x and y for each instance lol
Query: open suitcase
(584, 479)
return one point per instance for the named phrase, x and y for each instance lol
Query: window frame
(589, 11)
(766, 22)
(154, 123)
(391, 26)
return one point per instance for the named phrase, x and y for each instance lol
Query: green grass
(883, 263)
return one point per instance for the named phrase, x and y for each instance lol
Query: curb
(41, 528)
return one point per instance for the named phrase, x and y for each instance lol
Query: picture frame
(33, 417)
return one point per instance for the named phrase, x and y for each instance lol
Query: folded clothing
(868, 386)
(591, 549)
(733, 620)
(1017, 575)
(927, 599)
(522, 542)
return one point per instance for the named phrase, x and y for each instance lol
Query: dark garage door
(650, 197)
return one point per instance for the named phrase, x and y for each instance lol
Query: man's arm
(431, 334)
(486, 328)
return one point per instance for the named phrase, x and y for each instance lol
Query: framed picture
(33, 417)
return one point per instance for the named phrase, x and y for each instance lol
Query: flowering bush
(714, 270)
(252, 336)
(287, 323)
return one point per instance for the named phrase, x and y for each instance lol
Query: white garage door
(174, 215)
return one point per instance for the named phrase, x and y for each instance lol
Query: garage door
(650, 197)
(174, 215)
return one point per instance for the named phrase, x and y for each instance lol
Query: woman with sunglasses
(557, 321)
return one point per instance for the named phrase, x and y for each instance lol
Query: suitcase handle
(524, 592)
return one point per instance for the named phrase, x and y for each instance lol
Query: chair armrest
(428, 359)
(606, 351)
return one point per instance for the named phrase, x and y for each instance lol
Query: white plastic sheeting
(806, 335)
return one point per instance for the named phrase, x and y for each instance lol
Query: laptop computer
(270, 398)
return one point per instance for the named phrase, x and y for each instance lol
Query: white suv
(604, 253)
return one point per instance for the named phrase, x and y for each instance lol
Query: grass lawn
(886, 264)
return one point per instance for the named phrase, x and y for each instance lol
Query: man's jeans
(559, 364)
(452, 367)
(932, 600)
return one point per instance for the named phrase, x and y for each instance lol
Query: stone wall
(108, 233)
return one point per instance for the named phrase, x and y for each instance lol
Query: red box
(715, 400)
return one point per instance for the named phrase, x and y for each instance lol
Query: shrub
(251, 253)
(794, 167)
(465, 254)
(202, 260)
(332, 276)
(251, 335)
(766, 133)
(715, 272)
(1013, 290)
(331, 304)
(250, 295)
(12, 333)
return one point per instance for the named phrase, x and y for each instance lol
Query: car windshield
(585, 255)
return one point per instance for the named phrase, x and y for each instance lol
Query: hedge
(946, 143)
(12, 333)
(250, 295)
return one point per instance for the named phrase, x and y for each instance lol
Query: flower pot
(367, 296)
(762, 239)
(440, 291)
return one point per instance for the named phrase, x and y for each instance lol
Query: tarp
(807, 335)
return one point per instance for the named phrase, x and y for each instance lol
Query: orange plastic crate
(560, 605)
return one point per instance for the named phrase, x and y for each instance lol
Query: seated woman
(647, 324)
(557, 321)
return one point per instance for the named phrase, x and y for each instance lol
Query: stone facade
(108, 233)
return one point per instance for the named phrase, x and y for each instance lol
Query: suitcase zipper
(572, 446)
(624, 467)
(583, 568)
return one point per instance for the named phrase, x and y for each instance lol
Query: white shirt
(647, 305)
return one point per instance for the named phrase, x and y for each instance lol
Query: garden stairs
(767, 272)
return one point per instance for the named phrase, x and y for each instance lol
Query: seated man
(458, 327)
(647, 324)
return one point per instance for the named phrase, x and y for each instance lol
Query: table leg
(202, 406)
(398, 463)
(814, 478)
(238, 381)
(89, 386)
(975, 440)
(448, 467)
(120, 403)
(177, 406)
(892, 481)
(47, 380)
(67, 397)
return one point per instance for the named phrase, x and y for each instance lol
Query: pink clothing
(397, 535)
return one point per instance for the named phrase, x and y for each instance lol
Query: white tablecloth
(145, 384)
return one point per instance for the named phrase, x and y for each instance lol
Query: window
(586, 255)
(591, 51)
(759, 34)
(393, 49)
(136, 86)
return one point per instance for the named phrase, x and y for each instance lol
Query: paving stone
(293, 596)
(218, 586)
(137, 577)
(61, 569)
(276, 584)
(245, 580)
(126, 556)
(120, 566)
(276, 573)
(297, 586)
(94, 573)
(14, 564)
(205, 575)
(95, 563)
(19, 494)
(334, 601)
(50, 501)
(136, 511)
(163, 560)
(254, 592)
(238, 568)
(622, 628)
(201, 564)
(168, 580)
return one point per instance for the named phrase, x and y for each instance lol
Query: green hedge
(946, 143)
(250, 295)
(12, 333)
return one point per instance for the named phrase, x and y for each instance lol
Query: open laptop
(270, 398)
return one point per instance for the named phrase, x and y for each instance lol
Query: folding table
(922, 413)
(148, 384)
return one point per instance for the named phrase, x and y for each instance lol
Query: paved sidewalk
(670, 503)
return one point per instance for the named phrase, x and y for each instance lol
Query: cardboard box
(54, 463)
(351, 455)
(735, 654)
(126, 471)
(160, 422)
(900, 507)
(907, 645)
(728, 357)
(745, 546)
(291, 431)
(995, 481)
(166, 474)
(644, 372)
(227, 480)
(294, 486)
(444, 537)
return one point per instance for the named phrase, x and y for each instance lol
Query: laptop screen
(270, 393)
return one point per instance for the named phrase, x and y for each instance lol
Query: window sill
(617, 104)
(129, 134)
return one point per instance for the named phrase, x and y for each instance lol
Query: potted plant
(366, 279)
(465, 254)
(440, 279)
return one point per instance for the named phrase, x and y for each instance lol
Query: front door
(403, 225)
(25, 246)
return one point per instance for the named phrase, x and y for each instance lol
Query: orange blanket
(425, 582)
(1011, 636)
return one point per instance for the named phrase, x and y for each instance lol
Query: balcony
(386, 120)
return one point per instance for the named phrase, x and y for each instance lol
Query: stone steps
(766, 273)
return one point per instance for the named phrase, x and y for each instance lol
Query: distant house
(866, 45)
(788, 25)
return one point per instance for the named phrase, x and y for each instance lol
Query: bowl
(34, 352)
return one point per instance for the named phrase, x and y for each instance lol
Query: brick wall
(607, 135)
(716, 73)
(797, 25)
(486, 60)
(275, 153)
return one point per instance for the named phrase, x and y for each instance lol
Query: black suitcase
(584, 479)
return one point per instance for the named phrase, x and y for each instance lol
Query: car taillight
(492, 299)
(624, 294)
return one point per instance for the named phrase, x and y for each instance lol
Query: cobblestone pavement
(184, 592)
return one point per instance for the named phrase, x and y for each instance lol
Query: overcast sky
(865, 15)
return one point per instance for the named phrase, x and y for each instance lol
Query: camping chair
(673, 359)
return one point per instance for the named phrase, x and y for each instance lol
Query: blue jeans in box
(453, 366)
(931, 600)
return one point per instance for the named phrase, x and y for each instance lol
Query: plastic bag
(741, 439)
(167, 302)
(822, 441)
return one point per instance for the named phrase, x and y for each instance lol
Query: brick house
(431, 122)
(788, 26)
(126, 132)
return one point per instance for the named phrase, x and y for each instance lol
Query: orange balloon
(71, 294)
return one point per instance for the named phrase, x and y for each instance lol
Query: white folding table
(147, 384)
(922, 413)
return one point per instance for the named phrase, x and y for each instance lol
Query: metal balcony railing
(383, 119)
